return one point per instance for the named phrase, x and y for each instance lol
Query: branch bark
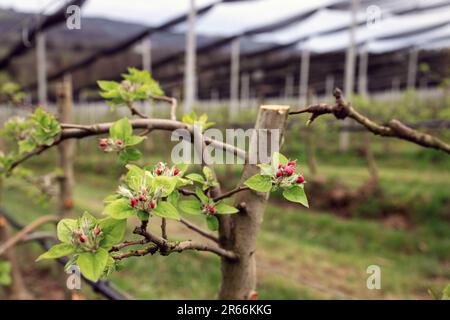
(74, 131)
(167, 247)
(394, 128)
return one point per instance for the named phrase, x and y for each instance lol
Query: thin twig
(394, 128)
(135, 112)
(231, 193)
(25, 231)
(172, 101)
(125, 244)
(200, 231)
(167, 247)
(151, 249)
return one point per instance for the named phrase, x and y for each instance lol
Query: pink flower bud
(300, 179)
(133, 202)
(289, 171)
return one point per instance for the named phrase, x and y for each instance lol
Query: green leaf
(108, 85)
(446, 293)
(212, 222)
(134, 140)
(166, 184)
(121, 129)
(57, 251)
(278, 158)
(296, 194)
(26, 146)
(223, 208)
(166, 210)
(208, 173)
(260, 183)
(196, 177)
(119, 209)
(5, 273)
(201, 195)
(191, 206)
(135, 177)
(173, 198)
(266, 169)
(113, 231)
(92, 264)
(129, 154)
(181, 182)
(111, 198)
(64, 229)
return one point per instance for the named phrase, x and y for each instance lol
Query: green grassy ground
(302, 254)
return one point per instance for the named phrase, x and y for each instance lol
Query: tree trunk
(239, 277)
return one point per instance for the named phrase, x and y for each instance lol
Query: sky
(233, 18)
(152, 12)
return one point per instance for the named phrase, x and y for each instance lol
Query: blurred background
(374, 201)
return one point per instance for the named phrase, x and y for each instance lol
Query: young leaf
(223, 208)
(260, 183)
(121, 129)
(108, 85)
(129, 154)
(134, 177)
(196, 178)
(278, 158)
(208, 173)
(201, 195)
(113, 230)
(191, 206)
(119, 209)
(64, 229)
(173, 198)
(166, 210)
(92, 264)
(5, 273)
(296, 194)
(212, 222)
(266, 169)
(134, 140)
(166, 184)
(57, 251)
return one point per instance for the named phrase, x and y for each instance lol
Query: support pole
(146, 48)
(234, 80)
(344, 136)
(289, 88)
(66, 148)
(190, 81)
(245, 90)
(304, 77)
(329, 86)
(363, 67)
(41, 61)
(412, 68)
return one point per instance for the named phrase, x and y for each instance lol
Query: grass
(302, 254)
